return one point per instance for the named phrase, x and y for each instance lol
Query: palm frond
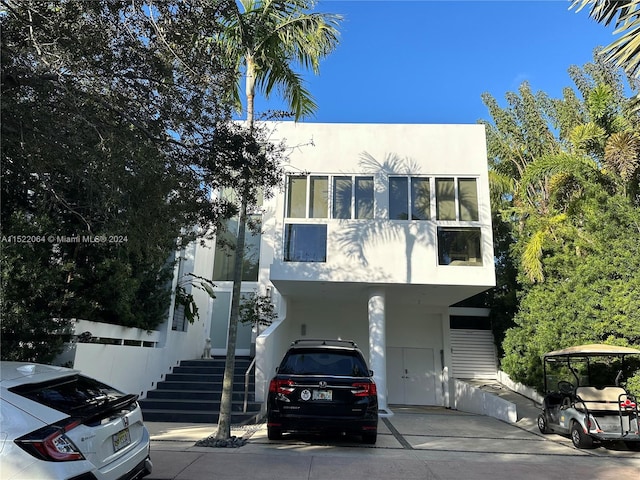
(545, 167)
(625, 16)
(622, 153)
(584, 137)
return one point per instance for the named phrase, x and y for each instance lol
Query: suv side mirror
(371, 373)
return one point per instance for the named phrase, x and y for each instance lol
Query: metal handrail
(246, 384)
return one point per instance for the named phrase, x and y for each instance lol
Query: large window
(225, 252)
(339, 197)
(459, 246)
(465, 196)
(305, 243)
(409, 194)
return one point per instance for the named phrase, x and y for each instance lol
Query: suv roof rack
(324, 341)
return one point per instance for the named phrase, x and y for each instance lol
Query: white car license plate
(121, 439)
(323, 395)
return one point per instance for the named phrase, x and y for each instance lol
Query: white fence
(130, 359)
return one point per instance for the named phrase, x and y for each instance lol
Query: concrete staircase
(192, 393)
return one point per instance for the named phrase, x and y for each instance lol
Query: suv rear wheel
(370, 438)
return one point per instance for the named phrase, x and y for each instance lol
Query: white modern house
(378, 232)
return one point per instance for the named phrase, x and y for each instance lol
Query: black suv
(323, 385)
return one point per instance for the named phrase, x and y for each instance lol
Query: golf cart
(589, 404)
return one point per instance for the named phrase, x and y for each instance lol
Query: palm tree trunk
(250, 87)
(224, 418)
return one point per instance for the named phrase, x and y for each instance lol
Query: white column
(446, 368)
(378, 345)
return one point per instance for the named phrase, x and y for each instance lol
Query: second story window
(338, 196)
(457, 200)
(305, 243)
(352, 197)
(409, 194)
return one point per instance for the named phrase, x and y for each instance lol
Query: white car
(56, 423)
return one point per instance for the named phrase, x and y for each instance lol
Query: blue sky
(420, 61)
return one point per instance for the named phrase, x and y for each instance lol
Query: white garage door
(473, 354)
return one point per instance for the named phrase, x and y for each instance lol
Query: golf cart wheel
(542, 423)
(579, 438)
(274, 433)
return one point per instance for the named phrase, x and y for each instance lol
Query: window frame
(356, 197)
(288, 253)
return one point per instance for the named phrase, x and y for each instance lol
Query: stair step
(205, 378)
(193, 417)
(192, 393)
(201, 386)
(197, 395)
(190, 406)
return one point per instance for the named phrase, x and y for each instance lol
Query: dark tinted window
(71, 394)
(309, 362)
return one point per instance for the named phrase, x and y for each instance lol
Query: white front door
(411, 376)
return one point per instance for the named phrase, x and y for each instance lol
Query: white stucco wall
(399, 252)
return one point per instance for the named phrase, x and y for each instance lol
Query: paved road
(427, 443)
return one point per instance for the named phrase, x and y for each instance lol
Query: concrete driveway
(415, 443)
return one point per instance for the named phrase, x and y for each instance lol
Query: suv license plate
(121, 439)
(322, 395)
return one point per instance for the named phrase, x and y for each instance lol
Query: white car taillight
(51, 443)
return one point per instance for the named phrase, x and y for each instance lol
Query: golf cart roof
(592, 350)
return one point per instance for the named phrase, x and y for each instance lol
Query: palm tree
(625, 15)
(266, 39)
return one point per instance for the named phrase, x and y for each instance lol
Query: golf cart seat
(605, 399)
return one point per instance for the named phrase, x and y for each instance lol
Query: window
(305, 243)
(445, 199)
(466, 196)
(225, 252)
(342, 190)
(468, 199)
(403, 199)
(459, 246)
(308, 197)
(420, 199)
(364, 197)
(398, 198)
(319, 197)
(297, 197)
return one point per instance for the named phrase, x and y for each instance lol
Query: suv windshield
(315, 362)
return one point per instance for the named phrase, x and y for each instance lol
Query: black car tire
(579, 438)
(274, 433)
(543, 426)
(370, 438)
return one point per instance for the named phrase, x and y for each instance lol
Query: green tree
(108, 109)
(266, 40)
(572, 213)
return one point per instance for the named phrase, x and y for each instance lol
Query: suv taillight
(364, 389)
(51, 443)
(281, 386)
